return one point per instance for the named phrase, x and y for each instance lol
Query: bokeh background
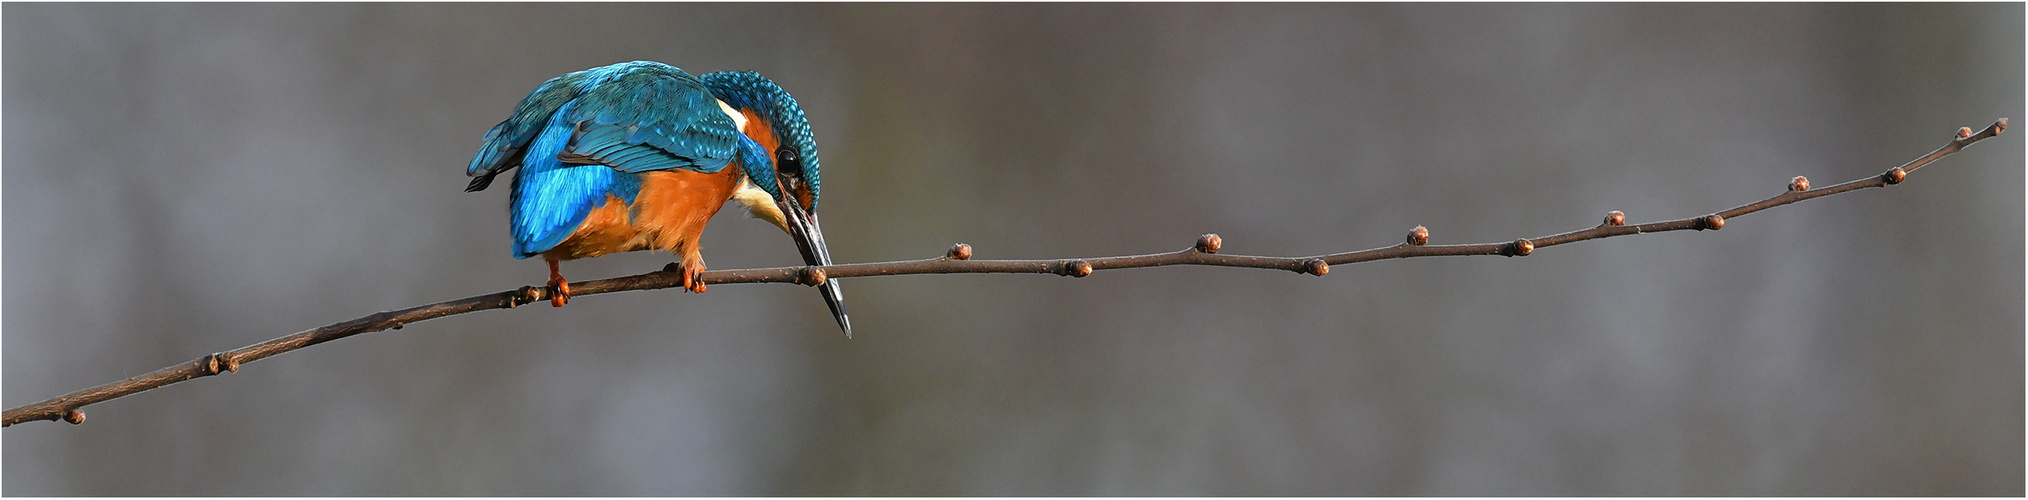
(184, 179)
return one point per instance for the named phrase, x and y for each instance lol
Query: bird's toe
(559, 292)
(691, 279)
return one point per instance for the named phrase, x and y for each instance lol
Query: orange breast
(669, 214)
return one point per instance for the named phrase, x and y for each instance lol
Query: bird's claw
(560, 292)
(691, 280)
(559, 288)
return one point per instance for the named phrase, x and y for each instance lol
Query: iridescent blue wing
(583, 137)
(648, 120)
(551, 198)
(501, 149)
(635, 117)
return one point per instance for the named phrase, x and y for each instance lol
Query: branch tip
(1616, 218)
(1965, 138)
(1894, 176)
(959, 251)
(74, 417)
(1799, 184)
(1209, 243)
(1418, 236)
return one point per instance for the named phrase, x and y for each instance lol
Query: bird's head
(777, 123)
(785, 168)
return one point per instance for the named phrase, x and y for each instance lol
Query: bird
(640, 155)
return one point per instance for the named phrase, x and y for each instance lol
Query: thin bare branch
(957, 260)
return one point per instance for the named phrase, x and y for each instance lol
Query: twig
(957, 260)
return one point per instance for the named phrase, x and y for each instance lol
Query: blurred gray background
(184, 179)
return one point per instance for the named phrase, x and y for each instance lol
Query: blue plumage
(628, 132)
(583, 136)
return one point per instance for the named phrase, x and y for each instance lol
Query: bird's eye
(788, 165)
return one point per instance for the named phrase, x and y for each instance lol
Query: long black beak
(810, 240)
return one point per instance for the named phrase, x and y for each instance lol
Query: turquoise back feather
(583, 136)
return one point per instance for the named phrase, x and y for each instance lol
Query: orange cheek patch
(764, 134)
(760, 132)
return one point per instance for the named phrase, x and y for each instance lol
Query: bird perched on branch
(640, 155)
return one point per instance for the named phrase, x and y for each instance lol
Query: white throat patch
(738, 119)
(759, 204)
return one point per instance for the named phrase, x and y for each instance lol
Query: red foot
(690, 279)
(560, 285)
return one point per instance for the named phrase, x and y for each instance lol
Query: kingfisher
(640, 155)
